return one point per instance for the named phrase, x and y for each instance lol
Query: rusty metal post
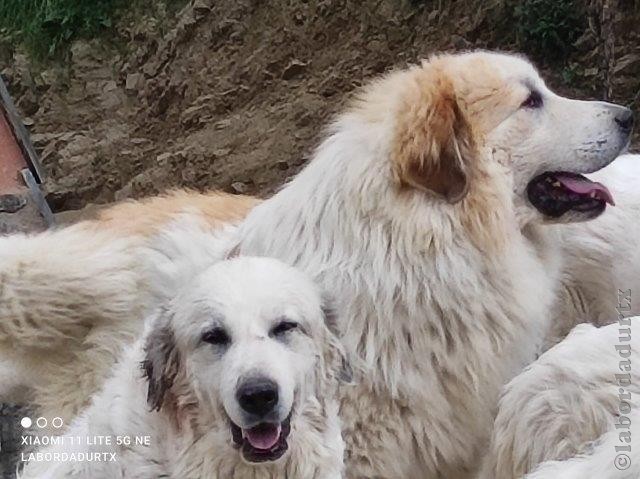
(22, 204)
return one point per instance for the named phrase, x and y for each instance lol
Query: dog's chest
(414, 333)
(222, 466)
(435, 355)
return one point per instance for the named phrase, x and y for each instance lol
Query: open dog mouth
(264, 442)
(556, 193)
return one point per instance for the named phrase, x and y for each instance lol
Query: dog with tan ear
(240, 381)
(423, 213)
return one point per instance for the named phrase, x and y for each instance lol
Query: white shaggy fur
(60, 347)
(566, 414)
(413, 215)
(439, 324)
(600, 462)
(71, 299)
(602, 257)
(193, 384)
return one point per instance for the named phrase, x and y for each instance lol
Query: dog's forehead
(518, 71)
(508, 68)
(250, 287)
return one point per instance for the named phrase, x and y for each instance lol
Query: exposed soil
(235, 94)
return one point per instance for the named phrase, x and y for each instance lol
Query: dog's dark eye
(216, 336)
(534, 100)
(283, 327)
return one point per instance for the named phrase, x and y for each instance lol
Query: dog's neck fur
(410, 274)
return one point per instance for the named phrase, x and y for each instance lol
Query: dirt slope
(234, 94)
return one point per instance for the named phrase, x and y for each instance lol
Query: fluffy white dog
(573, 414)
(424, 211)
(602, 257)
(240, 379)
(424, 214)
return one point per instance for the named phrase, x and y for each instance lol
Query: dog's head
(456, 119)
(249, 343)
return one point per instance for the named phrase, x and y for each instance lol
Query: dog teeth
(593, 195)
(556, 184)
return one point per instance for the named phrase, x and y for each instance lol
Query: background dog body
(599, 462)
(601, 257)
(565, 412)
(61, 347)
(71, 299)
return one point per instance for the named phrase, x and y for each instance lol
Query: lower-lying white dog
(601, 257)
(601, 461)
(573, 414)
(240, 375)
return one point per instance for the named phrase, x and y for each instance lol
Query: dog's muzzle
(264, 438)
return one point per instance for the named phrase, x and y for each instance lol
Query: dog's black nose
(258, 396)
(625, 120)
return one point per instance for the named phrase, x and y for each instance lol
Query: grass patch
(547, 29)
(47, 27)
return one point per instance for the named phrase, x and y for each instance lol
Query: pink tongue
(586, 187)
(263, 437)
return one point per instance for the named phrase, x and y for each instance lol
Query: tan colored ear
(434, 145)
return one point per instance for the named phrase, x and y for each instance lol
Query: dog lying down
(573, 414)
(238, 380)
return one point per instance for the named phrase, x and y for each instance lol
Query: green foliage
(46, 27)
(547, 29)
(570, 75)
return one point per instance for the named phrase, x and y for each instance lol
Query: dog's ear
(162, 361)
(434, 144)
(335, 357)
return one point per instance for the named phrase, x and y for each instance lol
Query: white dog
(602, 258)
(423, 214)
(240, 380)
(573, 414)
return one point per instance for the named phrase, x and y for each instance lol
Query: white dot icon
(25, 422)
